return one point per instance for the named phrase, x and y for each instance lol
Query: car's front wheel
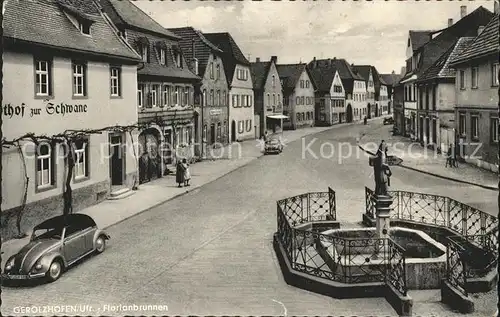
(55, 271)
(100, 244)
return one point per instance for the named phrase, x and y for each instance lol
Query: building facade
(436, 101)
(298, 90)
(425, 48)
(213, 90)
(241, 98)
(476, 86)
(102, 73)
(165, 90)
(268, 95)
(355, 90)
(330, 93)
(367, 73)
(391, 80)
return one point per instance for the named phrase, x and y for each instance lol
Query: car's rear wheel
(100, 244)
(55, 271)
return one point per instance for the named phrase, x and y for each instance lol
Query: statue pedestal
(382, 219)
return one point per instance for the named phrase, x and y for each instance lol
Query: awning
(412, 77)
(277, 116)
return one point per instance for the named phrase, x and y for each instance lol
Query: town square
(167, 161)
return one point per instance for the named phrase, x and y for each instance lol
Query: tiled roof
(42, 22)
(363, 71)
(484, 44)
(465, 27)
(419, 38)
(322, 74)
(290, 74)
(441, 68)
(391, 79)
(347, 74)
(232, 53)
(259, 72)
(203, 47)
(131, 15)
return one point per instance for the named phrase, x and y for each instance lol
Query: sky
(362, 32)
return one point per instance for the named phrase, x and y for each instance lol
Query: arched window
(204, 98)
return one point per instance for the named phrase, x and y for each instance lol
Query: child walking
(187, 174)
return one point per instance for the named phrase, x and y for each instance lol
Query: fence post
(464, 219)
(483, 222)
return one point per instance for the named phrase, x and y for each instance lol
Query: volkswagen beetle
(55, 245)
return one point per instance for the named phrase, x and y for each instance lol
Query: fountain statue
(382, 174)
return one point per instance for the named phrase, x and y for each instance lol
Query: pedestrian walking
(179, 173)
(449, 157)
(187, 174)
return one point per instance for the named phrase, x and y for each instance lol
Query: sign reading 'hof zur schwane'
(61, 109)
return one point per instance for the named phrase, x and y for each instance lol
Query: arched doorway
(369, 111)
(149, 155)
(349, 113)
(376, 110)
(233, 131)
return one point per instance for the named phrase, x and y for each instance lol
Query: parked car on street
(55, 245)
(389, 120)
(273, 145)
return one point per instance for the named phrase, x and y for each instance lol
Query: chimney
(274, 59)
(314, 63)
(329, 62)
(463, 11)
(495, 7)
(450, 22)
(257, 59)
(193, 48)
(393, 73)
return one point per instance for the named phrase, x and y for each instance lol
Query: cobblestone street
(210, 252)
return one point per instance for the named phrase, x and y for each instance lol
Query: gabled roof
(484, 44)
(232, 53)
(391, 79)
(347, 74)
(259, 72)
(129, 14)
(364, 71)
(322, 73)
(441, 68)
(290, 74)
(43, 23)
(465, 27)
(419, 38)
(203, 47)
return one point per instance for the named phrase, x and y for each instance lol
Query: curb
(182, 194)
(198, 186)
(438, 175)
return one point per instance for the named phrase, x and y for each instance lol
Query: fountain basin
(425, 257)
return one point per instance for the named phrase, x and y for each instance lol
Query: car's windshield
(273, 141)
(51, 233)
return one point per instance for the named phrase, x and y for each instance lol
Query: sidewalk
(428, 161)
(155, 193)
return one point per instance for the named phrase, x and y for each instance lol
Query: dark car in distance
(389, 120)
(55, 245)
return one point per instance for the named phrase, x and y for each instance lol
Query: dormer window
(178, 60)
(144, 53)
(84, 27)
(162, 56)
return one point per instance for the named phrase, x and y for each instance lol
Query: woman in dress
(179, 173)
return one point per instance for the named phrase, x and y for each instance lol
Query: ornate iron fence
(436, 210)
(396, 269)
(331, 257)
(315, 206)
(456, 267)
